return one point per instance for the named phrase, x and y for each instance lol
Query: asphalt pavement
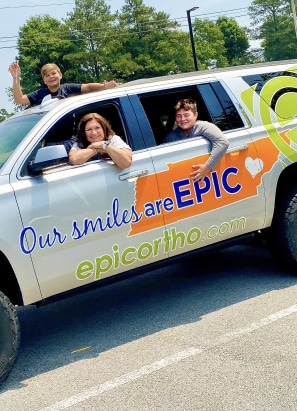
(216, 333)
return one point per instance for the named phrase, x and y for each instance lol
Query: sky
(14, 15)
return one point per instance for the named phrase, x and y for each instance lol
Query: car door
(230, 201)
(78, 219)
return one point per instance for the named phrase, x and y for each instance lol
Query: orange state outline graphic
(152, 188)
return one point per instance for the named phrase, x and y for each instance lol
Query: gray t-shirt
(209, 131)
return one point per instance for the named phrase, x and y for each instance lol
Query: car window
(13, 131)
(213, 104)
(258, 81)
(159, 108)
(221, 107)
(64, 129)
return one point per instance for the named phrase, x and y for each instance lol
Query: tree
(209, 44)
(91, 23)
(280, 43)
(150, 43)
(92, 44)
(42, 40)
(235, 41)
(274, 25)
(4, 114)
(261, 10)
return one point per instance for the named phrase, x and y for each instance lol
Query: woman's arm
(81, 156)
(122, 157)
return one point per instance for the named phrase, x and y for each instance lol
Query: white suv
(65, 228)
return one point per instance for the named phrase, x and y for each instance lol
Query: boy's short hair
(49, 66)
(186, 104)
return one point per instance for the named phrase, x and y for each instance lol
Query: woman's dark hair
(81, 134)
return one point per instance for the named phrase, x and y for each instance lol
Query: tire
(9, 336)
(282, 236)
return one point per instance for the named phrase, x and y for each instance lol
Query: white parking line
(165, 362)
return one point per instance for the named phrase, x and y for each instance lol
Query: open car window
(63, 132)
(213, 103)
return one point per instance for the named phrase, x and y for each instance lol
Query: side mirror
(48, 157)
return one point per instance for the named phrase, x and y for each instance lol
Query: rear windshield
(13, 131)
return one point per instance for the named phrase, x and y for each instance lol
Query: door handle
(133, 174)
(237, 148)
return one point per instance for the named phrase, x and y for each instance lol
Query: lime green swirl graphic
(285, 110)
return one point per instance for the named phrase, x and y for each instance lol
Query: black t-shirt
(65, 90)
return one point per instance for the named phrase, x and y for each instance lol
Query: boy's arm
(91, 87)
(219, 145)
(19, 97)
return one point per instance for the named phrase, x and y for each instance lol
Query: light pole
(192, 37)
(294, 16)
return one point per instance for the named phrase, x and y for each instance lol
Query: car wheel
(9, 336)
(282, 236)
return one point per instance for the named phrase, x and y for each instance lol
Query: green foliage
(42, 40)
(275, 27)
(279, 41)
(220, 44)
(261, 10)
(209, 44)
(235, 41)
(92, 44)
(151, 41)
(91, 23)
(17, 107)
(4, 114)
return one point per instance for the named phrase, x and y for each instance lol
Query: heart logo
(253, 166)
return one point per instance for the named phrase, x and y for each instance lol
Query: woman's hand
(122, 157)
(98, 145)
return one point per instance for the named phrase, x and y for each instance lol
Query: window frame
(69, 122)
(154, 102)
